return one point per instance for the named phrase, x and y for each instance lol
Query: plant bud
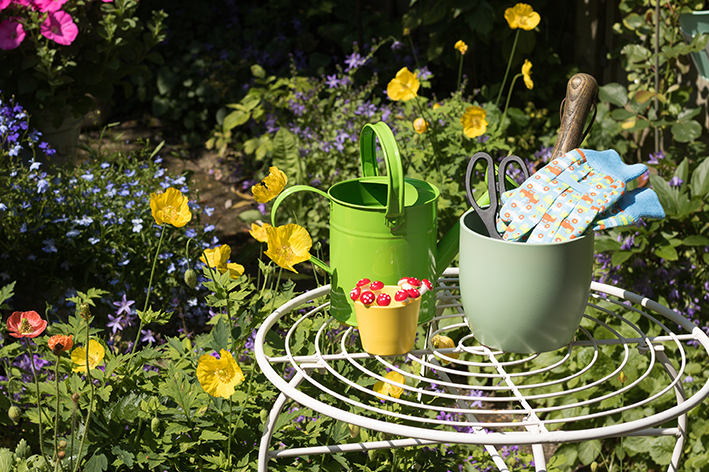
(75, 398)
(594, 466)
(14, 413)
(62, 444)
(191, 278)
(61, 455)
(155, 425)
(85, 311)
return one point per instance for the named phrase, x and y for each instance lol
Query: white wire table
(487, 397)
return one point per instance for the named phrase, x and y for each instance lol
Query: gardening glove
(561, 200)
(636, 204)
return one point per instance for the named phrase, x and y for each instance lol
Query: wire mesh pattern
(628, 353)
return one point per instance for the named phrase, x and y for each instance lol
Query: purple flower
(147, 336)
(676, 181)
(654, 158)
(115, 323)
(332, 81)
(124, 306)
(353, 61)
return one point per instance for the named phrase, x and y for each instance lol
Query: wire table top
(471, 394)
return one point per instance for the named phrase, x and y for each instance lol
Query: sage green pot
(519, 297)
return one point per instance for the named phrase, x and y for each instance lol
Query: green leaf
(208, 435)
(613, 93)
(258, 71)
(235, 118)
(621, 114)
(285, 155)
(605, 243)
(123, 456)
(667, 195)
(97, 463)
(668, 253)
(633, 21)
(6, 292)
(682, 170)
(636, 53)
(661, 450)
(620, 257)
(699, 183)
(695, 240)
(589, 450)
(220, 335)
(686, 131)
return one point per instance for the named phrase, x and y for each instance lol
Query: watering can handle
(290, 191)
(581, 94)
(392, 158)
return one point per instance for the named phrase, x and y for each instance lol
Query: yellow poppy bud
(420, 125)
(462, 47)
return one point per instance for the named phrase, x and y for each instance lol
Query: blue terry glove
(636, 204)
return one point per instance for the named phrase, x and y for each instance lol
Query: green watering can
(381, 227)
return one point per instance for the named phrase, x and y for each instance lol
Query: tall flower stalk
(520, 16)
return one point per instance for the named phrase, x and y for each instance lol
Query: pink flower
(24, 3)
(4, 4)
(48, 5)
(25, 324)
(60, 28)
(11, 34)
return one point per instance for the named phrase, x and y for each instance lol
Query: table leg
(681, 397)
(268, 428)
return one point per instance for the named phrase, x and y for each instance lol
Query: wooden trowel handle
(581, 94)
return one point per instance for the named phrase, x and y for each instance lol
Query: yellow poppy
(522, 16)
(474, 122)
(270, 186)
(288, 245)
(386, 388)
(527, 74)
(420, 125)
(219, 377)
(444, 342)
(170, 207)
(462, 47)
(96, 354)
(235, 270)
(259, 232)
(436, 106)
(218, 258)
(404, 86)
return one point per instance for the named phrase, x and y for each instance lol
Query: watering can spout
(447, 249)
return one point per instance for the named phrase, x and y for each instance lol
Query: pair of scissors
(495, 188)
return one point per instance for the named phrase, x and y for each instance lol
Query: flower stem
(89, 379)
(413, 51)
(56, 414)
(228, 436)
(460, 72)
(39, 403)
(507, 103)
(147, 296)
(509, 64)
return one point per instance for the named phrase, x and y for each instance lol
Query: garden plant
(128, 326)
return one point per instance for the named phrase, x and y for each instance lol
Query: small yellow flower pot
(388, 330)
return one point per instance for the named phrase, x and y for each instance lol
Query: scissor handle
(488, 215)
(502, 171)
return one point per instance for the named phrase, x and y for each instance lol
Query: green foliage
(112, 44)
(91, 225)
